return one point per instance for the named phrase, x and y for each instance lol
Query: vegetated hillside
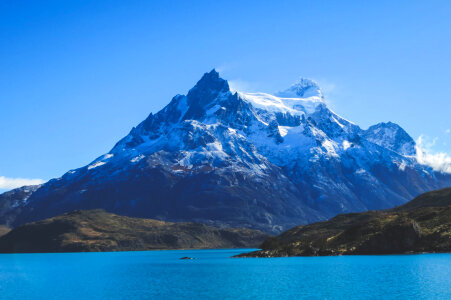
(97, 230)
(422, 225)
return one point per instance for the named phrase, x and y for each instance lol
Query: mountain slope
(253, 160)
(96, 230)
(4, 230)
(422, 225)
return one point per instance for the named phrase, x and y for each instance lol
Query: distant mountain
(233, 159)
(422, 225)
(97, 230)
(12, 202)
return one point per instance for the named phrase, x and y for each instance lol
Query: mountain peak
(391, 136)
(388, 127)
(211, 81)
(303, 88)
(239, 159)
(205, 93)
(213, 72)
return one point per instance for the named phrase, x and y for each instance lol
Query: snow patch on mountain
(137, 158)
(346, 145)
(96, 164)
(274, 104)
(303, 88)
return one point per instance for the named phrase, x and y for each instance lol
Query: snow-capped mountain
(241, 159)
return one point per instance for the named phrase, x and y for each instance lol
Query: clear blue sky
(75, 76)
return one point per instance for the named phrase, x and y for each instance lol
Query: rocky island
(419, 226)
(97, 230)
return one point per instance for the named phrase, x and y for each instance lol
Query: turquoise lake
(214, 275)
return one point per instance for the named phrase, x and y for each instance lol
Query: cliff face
(96, 230)
(422, 225)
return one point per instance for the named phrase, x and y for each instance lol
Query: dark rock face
(239, 160)
(215, 197)
(12, 202)
(422, 225)
(96, 230)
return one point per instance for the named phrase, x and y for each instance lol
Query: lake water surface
(213, 275)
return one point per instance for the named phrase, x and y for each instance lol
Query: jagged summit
(205, 94)
(211, 80)
(240, 160)
(207, 89)
(303, 88)
(391, 136)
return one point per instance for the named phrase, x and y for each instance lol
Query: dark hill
(421, 225)
(434, 198)
(97, 230)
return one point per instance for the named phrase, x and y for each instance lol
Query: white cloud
(12, 183)
(439, 161)
(447, 131)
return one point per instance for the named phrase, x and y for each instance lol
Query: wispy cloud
(327, 87)
(447, 131)
(439, 161)
(12, 183)
(239, 85)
